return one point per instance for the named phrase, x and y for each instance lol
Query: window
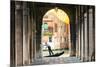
(50, 39)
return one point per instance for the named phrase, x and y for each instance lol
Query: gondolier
(49, 49)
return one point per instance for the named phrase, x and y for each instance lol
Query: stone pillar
(93, 54)
(87, 33)
(86, 41)
(25, 34)
(90, 33)
(29, 36)
(30, 33)
(82, 40)
(38, 32)
(33, 38)
(34, 32)
(19, 33)
(77, 33)
(79, 50)
(12, 36)
(82, 34)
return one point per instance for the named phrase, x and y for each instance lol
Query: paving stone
(56, 60)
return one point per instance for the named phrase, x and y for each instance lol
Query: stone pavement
(56, 60)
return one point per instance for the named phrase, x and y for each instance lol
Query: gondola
(56, 55)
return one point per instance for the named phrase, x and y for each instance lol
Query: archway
(56, 32)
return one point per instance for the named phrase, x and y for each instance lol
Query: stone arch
(40, 12)
(60, 36)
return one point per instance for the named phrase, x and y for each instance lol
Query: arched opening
(55, 33)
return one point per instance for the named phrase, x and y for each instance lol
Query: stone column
(29, 35)
(19, 33)
(82, 41)
(38, 22)
(25, 35)
(86, 41)
(33, 38)
(87, 33)
(81, 33)
(93, 54)
(77, 32)
(90, 33)
(34, 32)
(12, 35)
